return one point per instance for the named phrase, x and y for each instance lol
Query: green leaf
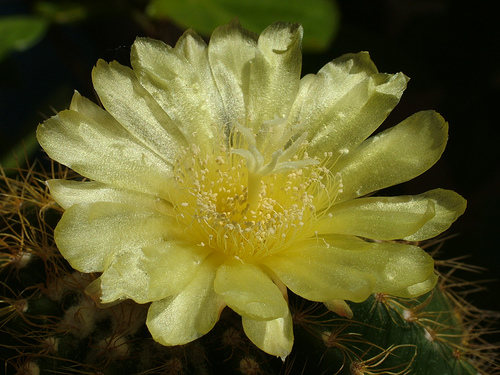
(20, 32)
(320, 18)
(62, 11)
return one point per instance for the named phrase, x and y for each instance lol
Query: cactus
(50, 326)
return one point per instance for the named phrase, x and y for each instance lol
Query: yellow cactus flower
(217, 176)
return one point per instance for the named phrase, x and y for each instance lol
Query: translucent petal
(230, 50)
(249, 291)
(182, 85)
(393, 156)
(125, 278)
(154, 273)
(170, 266)
(275, 73)
(137, 111)
(381, 218)
(319, 274)
(274, 337)
(194, 49)
(98, 150)
(67, 192)
(188, 315)
(349, 268)
(448, 207)
(92, 111)
(90, 236)
(418, 289)
(339, 119)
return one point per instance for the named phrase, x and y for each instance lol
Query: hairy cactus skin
(49, 325)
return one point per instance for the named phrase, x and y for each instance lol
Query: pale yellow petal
(418, 289)
(380, 218)
(448, 207)
(393, 156)
(151, 273)
(136, 110)
(67, 192)
(195, 51)
(125, 279)
(274, 337)
(409, 217)
(275, 73)
(182, 85)
(340, 307)
(317, 273)
(344, 103)
(407, 269)
(92, 111)
(90, 236)
(100, 151)
(170, 266)
(249, 291)
(188, 315)
(230, 50)
(349, 268)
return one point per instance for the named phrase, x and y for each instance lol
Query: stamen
(237, 202)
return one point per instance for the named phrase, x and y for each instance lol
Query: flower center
(248, 204)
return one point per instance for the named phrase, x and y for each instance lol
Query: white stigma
(280, 159)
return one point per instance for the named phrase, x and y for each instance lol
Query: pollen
(249, 203)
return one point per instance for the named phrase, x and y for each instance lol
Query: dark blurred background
(449, 48)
